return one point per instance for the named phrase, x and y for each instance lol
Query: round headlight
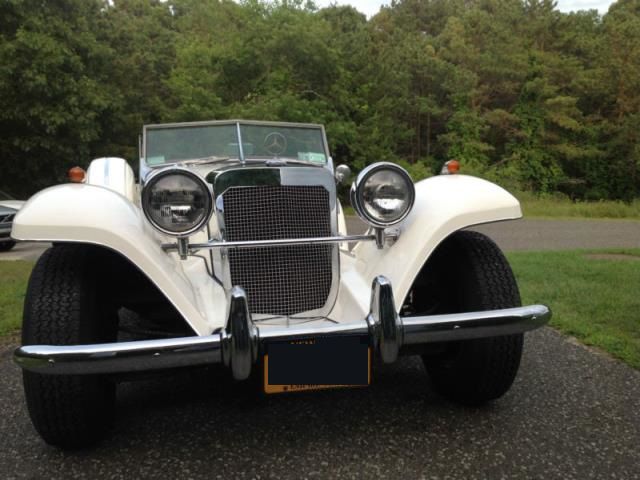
(383, 194)
(177, 202)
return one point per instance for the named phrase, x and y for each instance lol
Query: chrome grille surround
(284, 280)
(267, 203)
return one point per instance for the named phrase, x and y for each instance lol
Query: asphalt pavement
(572, 413)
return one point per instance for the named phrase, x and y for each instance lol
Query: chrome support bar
(273, 243)
(183, 247)
(237, 345)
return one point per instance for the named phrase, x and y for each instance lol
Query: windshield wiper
(201, 160)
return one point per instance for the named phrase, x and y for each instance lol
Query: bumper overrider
(237, 345)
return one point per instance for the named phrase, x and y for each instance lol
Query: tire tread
(67, 411)
(483, 369)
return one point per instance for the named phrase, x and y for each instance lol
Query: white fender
(444, 204)
(112, 173)
(97, 215)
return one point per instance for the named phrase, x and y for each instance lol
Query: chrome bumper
(238, 344)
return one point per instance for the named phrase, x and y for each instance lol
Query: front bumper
(238, 344)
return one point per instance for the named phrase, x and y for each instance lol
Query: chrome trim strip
(274, 243)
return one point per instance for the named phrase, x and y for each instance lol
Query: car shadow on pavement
(218, 409)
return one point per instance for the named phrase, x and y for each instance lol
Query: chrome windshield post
(240, 148)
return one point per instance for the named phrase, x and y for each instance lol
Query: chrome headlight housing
(383, 194)
(177, 201)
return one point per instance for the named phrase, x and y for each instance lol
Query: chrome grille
(280, 280)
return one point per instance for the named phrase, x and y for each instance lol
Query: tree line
(517, 91)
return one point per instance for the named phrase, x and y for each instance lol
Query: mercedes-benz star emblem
(275, 143)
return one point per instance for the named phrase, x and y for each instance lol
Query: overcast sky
(371, 7)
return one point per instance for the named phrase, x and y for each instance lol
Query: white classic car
(8, 209)
(233, 250)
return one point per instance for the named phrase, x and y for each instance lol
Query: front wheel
(66, 305)
(468, 272)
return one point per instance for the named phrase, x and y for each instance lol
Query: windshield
(220, 141)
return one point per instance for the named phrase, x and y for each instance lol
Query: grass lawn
(593, 299)
(13, 284)
(557, 206)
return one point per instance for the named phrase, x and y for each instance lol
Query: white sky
(371, 7)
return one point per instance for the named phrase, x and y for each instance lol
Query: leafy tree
(518, 91)
(52, 94)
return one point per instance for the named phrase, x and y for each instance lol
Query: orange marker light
(76, 174)
(453, 166)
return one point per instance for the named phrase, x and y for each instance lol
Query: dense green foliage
(518, 91)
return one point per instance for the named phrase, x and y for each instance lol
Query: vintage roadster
(233, 250)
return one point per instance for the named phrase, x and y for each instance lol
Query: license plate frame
(316, 363)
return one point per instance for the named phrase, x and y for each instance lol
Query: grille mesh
(280, 280)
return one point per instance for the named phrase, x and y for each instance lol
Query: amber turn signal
(76, 174)
(451, 167)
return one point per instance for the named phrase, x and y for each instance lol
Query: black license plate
(317, 363)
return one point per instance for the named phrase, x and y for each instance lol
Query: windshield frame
(238, 123)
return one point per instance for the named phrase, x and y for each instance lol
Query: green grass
(559, 206)
(13, 284)
(594, 300)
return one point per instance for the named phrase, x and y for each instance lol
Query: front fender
(444, 204)
(95, 215)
